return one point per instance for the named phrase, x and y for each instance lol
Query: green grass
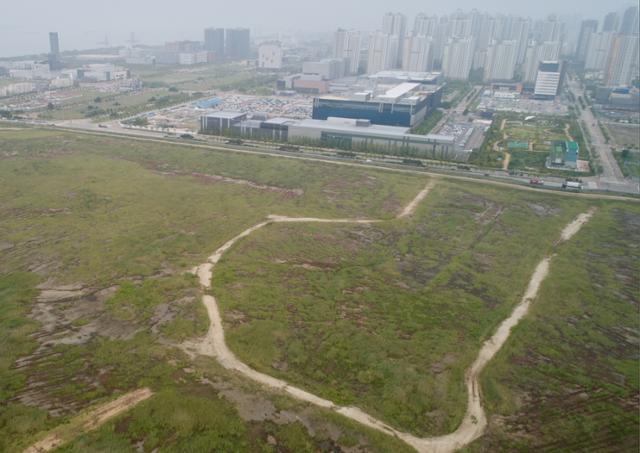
(629, 162)
(387, 317)
(126, 220)
(567, 379)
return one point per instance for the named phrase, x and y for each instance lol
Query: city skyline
(23, 34)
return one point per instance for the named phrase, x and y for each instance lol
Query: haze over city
(83, 25)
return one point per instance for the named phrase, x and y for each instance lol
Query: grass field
(121, 221)
(393, 313)
(100, 106)
(98, 234)
(568, 379)
(625, 135)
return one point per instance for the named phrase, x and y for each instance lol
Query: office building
(237, 43)
(270, 55)
(586, 28)
(406, 104)
(548, 80)
(630, 23)
(611, 22)
(214, 41)
(622, 64)
(346, 46)
(383, 52)
(458, 58)
(54, 52)
(501, 61)
(598, 49)
(416, 53)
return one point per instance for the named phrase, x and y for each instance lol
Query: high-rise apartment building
(395, 24)
(586, 28)
(622, 64)
(214, 41)
(458, 58)
(598, 49)
(383, 52)
(237, 43)
(611, 22)
(630, 22)
(346, 46)
(536, 53)
(416, 53)
(501, 61)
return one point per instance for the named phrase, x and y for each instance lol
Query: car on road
(104, 126)
(536, 182)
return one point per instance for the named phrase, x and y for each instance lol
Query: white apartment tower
(622, 65)
(458, 58)
(501, 61)
(347, 47)
(598, 48)
(416, 53)
(383, 52)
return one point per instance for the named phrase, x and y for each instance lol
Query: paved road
(448, 170)
(610, 170)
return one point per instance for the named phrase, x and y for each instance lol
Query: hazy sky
(84, 23)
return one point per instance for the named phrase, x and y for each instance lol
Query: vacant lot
(567, 380)
(97, 234)
(388, 316)
(625, 135)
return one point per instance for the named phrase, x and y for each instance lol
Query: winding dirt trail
(474, 422)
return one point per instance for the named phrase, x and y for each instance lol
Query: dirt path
(89, 421)
(474, 422)
(506, 161)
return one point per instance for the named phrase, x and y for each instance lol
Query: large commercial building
(622, 64)
(501, 61)
(346, 47)
(549, 80)
(341, 133)
(458, 58)
(237, 43)
(406, 105)
(328, 69)
(214, 41)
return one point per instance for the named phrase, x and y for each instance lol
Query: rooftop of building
(225, 115)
